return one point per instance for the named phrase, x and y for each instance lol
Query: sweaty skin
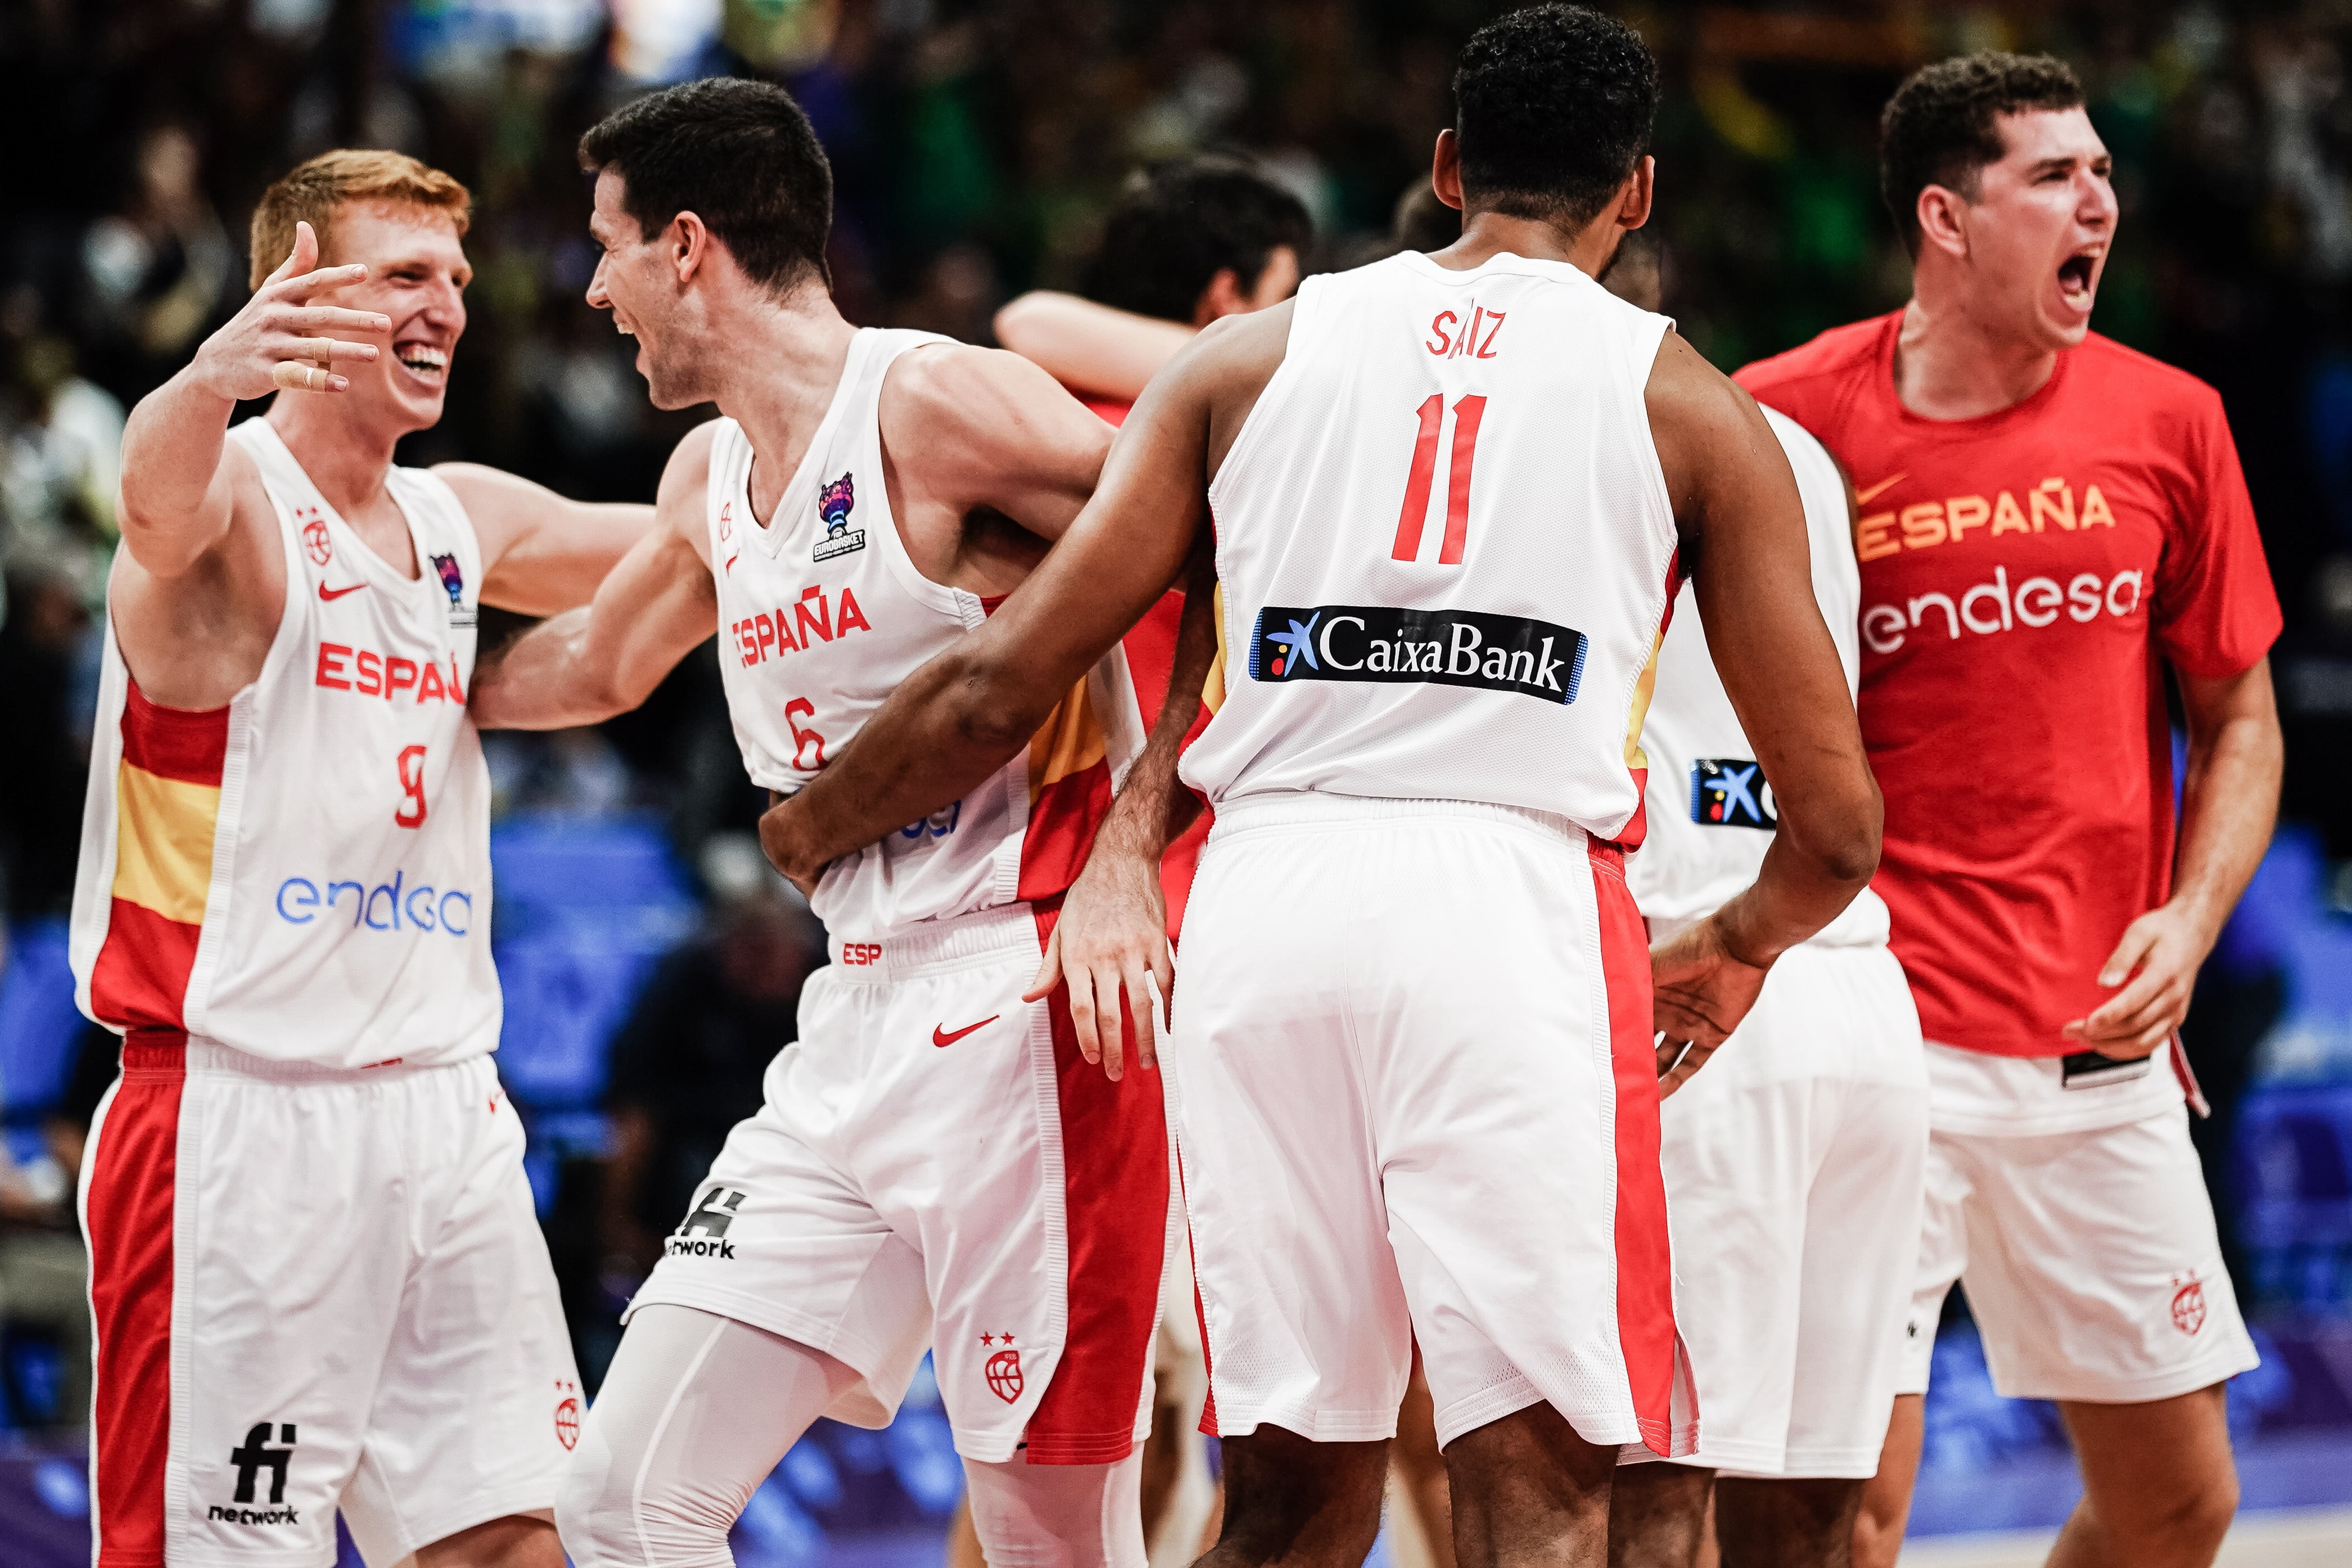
(960, 717)
(986, 460)
(200, 586)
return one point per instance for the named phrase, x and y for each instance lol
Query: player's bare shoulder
(1226, 368)
(1699, 419)
(679, 502)
(948, 404)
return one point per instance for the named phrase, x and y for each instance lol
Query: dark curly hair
(738, 155)
(1943, 125)
(1181, 222)
(1553, 106)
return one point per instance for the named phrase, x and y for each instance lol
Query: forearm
(2229, 806)
(1798, 893)
(172, 447)
(556, 675)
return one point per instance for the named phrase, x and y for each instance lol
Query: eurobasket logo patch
(833, 504)
(1383, 644)
(1730, 792)
(453, 583)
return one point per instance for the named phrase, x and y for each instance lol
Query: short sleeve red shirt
(2022, 573)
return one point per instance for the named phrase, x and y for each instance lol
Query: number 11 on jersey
(1467, 412)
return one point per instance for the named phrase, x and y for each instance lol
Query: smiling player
(317, 1277)
(2046, 518)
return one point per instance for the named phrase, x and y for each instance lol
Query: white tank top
(305, 874)
(822, 615)
(1445, 546)
(1711, 812)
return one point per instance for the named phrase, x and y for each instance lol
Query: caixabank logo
(1730, 792)
(1382, 642)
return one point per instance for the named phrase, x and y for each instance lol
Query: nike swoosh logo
(1864, 497)
(939, 1036)
(328, 595)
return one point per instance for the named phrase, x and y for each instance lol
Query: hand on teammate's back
(1111, 945)
(2158, 956)
(280, 340)
(1699, 993)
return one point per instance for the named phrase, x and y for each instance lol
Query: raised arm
(1743, 529)
(1082, 344)
(960, 717)
(605, 657)
(542, 552)
(178, 495)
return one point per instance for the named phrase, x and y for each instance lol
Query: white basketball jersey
(1445, 547)
(1711, 811)
(822, 615)
(305, 874)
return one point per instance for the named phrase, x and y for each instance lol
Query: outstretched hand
(1110, 943)
(281, 342)
(1700, 991)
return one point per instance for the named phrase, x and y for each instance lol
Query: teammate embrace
(1503, 582)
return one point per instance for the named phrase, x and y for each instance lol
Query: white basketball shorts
(1793, 1162)
(315, 1288)
(2090, 1260)
(937, 1166)
(1415, 1093)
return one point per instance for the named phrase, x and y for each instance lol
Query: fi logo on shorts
(1730, 792)
(255, 1458)
(703, 1232)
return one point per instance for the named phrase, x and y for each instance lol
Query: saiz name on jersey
(1440, 647)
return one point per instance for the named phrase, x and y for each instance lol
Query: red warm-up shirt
(1150, 648)
(2022, 573)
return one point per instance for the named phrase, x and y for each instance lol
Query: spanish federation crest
(833, 504)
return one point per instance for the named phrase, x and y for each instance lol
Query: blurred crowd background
(650, 959)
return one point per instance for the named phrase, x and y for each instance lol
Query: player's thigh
(1859, 1273)
(479, 1404)
(247, 1245)
(2094, 1271)
(1305, 1321)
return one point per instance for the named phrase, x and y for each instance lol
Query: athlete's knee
(1058, 1516)
(1304, 1501)
(609, 1518)
(2183, 1524)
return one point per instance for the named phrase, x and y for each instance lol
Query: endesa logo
(1383, 644)
(1993, 606)
(385, 906)
(387, 675)
(773, 634)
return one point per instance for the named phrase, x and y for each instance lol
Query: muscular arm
(2229, 804)
(1082, 344)
(605, 657)
(542, 553)
(960, 717)
(1743, 527)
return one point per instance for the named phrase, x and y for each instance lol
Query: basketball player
(1190, 242)
(935, 1164)
(1416, 1088)
(2047, 519)
(316, 1278)
(1792, 1164)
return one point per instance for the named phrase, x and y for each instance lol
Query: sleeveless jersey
(1711, 812)
(1445, 547)
(305, 874)
(822, 615)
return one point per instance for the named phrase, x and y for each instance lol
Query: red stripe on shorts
(1645, 1290)
(1115, 1215)
(1200, 1312)
(131, 1207)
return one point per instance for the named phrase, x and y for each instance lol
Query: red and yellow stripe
(167, 790)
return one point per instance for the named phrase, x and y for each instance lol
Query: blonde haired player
(317, 1279)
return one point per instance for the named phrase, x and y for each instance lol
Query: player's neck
(1488, 235)
(346, 457)
(781, 365)
(1953, 363)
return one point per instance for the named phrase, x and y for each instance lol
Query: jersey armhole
(1650, 330)
(1306, 310)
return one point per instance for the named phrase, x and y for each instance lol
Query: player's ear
(1221, 298)
(1941, 223)
(689, 240)
(1633, 200)
(1445, 168)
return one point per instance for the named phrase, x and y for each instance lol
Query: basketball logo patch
(567, 1417)
(1003, 1371)
(2188, 1305)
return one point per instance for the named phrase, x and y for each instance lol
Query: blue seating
(38, 1022)
(2294, 1167)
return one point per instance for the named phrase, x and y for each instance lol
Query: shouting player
(1418, 1090)
(1793, 1162)
(317, 1276)
(2048, 519)
(935, 1163)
